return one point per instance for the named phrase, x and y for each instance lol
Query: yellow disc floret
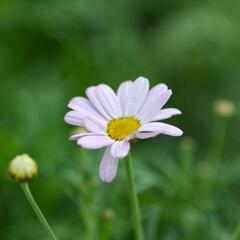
(119, 128)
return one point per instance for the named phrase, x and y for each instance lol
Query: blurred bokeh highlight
(51, 51)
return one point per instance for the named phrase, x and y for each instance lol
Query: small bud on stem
(224, 108)
(23, 168)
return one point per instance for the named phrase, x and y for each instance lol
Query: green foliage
(53, 50)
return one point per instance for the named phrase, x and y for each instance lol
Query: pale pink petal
(138, 95)
(156, 98)
(77, 103)
(94, 126)
(157, 128)
(91, 92)
(144, 135)
(108, 167)
(86, 110)
(124, 92)
(73, 118)
(164, 98)
(108, 100)
(95, 141)
(79, 135)
(120, 149)
(166, 113)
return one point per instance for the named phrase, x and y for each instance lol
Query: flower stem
(37, 211)
(134, 200)
(218, 139)
(85, 201)
(236, 233)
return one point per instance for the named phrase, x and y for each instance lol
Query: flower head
(113, 120)
(107, 214)
(224, 108)
(23, 168)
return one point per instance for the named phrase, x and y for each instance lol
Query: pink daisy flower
(114, 119)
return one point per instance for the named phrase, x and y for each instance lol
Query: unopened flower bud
(108, 214)
(224, 108)
(23, 168)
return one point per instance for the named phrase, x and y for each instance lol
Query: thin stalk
(37, 211)
(211, 164)
(88, 220)
(236, 234)
(134, 200)
(186, 163)
(217, 139)
(85, 203)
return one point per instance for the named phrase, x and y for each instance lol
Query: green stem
(134, 200)
(88, 220)
(85, 203)
(37, 211)
(217, 139)
(236, 234)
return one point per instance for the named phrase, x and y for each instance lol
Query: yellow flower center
(119, 128)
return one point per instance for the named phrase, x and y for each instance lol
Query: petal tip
(71, 102)
(180, 133)
(178, 112)
(66, 118)
(72, 138)
(142, 80)
(105, 179)
(108, 167)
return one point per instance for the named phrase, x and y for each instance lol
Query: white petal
(144, 135)
(77, 103)
(94, 126)
(108, 167)
(108, 100)
(124, 92)
(164, 98)
(156, 98)
(79, 135)
(120, 149)
(73, 118)
(138, 95)
(166, 113)
(90, 122)
(95, 141)
(91, 92)
(157, 128)
(85, 109)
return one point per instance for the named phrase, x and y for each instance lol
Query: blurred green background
(53, 50)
